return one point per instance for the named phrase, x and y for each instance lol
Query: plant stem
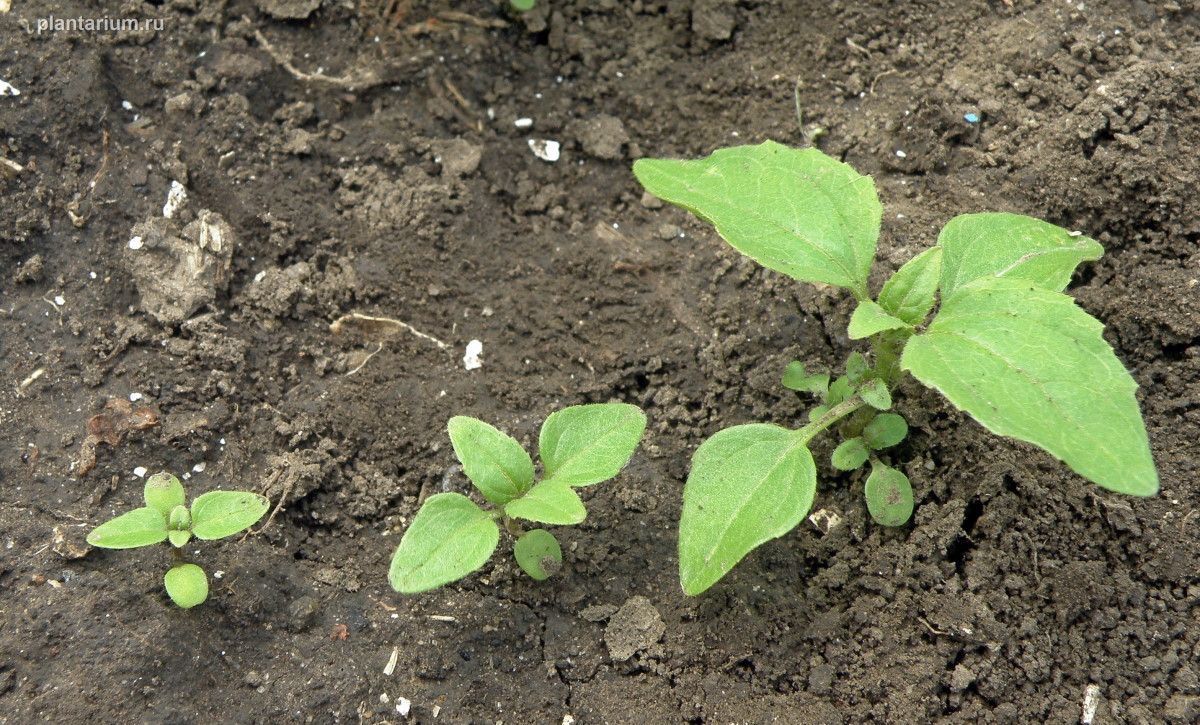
(833, 415)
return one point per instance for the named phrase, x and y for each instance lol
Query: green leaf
(587, 444)
(850, 454)
(799, 212)
(179, 519)
(538, 553)
(449, 538)
(885, 431)
(1010, 245)
(815, 414)
(889, 495)
(748, 484)
(139, 527)
(179, 538)
(1027, 363)
(876, 395)
(523, 5)
(549, 502)
(218, 514)
(869, 318)
(163, 493)
(856, 368)
(794, 378)
(839, 391)
(910, 293)
(497, 465)
(187, 585)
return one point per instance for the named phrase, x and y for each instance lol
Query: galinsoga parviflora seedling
(213, 515)
(1005, 345)
(451, 536)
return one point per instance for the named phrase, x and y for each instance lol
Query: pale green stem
(833, 415)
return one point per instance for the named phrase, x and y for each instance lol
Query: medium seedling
(451, 536)
(1005, 346)
(213, 515)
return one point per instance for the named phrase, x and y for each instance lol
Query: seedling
(1005, 346)
(523, 5)
(213, 515)
(451, 536)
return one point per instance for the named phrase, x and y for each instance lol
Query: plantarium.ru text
(1005, 345)
(451, 536)
(213, 515)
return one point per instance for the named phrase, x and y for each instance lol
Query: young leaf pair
(213, 515)
(1005, 345)
(451, 536)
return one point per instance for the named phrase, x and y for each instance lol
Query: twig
(356, 81)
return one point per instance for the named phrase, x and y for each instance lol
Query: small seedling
(1005, 345)
(451, 536)
(213, 515)
(523, 5)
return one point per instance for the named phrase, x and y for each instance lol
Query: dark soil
(403, 188)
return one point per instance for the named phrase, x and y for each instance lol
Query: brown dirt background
(409, 193)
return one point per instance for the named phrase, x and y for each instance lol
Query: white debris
(140, 471)
(901, 154)
(403, 706)
(135, 243)
(1091, 701)
(523, 123)
(135, 397)
(60, 300)
(390, 667)
(568, 720)
(127, 105)
(545, 149)
(199, 467)
(176, 198)
(7, 89)
(471, 360)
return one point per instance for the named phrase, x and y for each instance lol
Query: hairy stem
(833, 415)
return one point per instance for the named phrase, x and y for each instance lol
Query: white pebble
(545, 149)
(471, 360)
(176, 198)
(135, 397)
(523, 123)
(199, 467)
(901, 154)
(7, 89)
(135, 243)
(403, 706)
(140, 471)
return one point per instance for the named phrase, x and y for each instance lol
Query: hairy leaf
(548, 502)
(869, 318)
(850, 454)
(794, 378)
(876, 395)
(1027, 363)
(139, 527)
(911, 291)
(889, 495)
(799, 212)
(885, 431)
(748, 484)
(218, 514)
(163, 492)
(497, 465)
(449, 538)
(187, 585)
(538, 554)
(586, 444)
(1010, 245)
